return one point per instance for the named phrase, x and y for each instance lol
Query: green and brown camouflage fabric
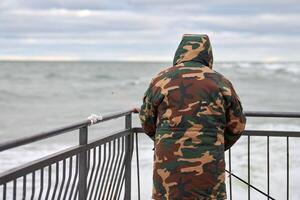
(193, 114)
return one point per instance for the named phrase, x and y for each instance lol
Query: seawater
(38, 96)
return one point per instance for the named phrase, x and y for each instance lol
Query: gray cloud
(135, 29)
(213, 6)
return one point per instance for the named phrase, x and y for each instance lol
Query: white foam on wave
(245, 64)
(273, 126)
(287, 67)
(21, 155)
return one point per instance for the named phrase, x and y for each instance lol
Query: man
(193, 114)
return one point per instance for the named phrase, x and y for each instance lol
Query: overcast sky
(257, 30)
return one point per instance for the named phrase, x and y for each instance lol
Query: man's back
(193, 114)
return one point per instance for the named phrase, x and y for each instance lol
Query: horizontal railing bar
(43, 135)
(99, 141)
(39, 163)
(251, 133)
(272, 114)
(40, 136)
(272, 133)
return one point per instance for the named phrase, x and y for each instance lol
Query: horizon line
(146, 60)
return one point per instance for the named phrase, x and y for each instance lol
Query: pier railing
(101, 168)
(97, 169)
(267, 134)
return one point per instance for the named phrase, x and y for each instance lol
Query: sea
(40, 96)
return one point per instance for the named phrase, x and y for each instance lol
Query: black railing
(101, 168)
(267, 134)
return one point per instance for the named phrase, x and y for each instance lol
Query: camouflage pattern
(193, 114)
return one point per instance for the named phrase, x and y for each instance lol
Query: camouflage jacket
(193, 114)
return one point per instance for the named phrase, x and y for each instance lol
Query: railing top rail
(78, 125)
(59, 131)
(272, 114)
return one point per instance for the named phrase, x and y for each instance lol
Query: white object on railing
(95, 118)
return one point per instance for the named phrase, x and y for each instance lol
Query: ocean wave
(5, 93)
(104, 76)
(133, 82)
(273, 126)
(7, 96)
(285, 67)
(26, 154)
(12, 95)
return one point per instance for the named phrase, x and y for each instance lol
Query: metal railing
(263, 133)
(98, 169)
(101, 168)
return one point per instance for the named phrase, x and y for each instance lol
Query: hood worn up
(194, 50)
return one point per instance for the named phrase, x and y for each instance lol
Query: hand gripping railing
(101, 168)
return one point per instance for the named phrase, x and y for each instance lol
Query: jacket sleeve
(235, 120)
(148, 113)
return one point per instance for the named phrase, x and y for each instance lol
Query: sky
(148, 30)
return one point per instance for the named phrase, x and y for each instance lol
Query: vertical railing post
(268, 166)
(137, 165)
(128, 156)
(230, 180)
(249, 188)
(287, 169)
(82, 181)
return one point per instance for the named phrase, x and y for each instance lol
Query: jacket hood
(194, 50)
